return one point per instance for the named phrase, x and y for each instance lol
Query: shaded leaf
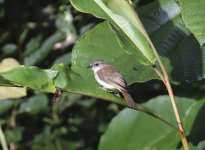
(46, 47)
(130, 126)
(34, 105)
(9, 48)
(201, 145)
(173, 41)
(13, 135)
(5, 106)
(33, 44)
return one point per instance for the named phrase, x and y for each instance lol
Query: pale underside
(110, 78)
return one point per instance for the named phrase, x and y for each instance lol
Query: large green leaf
(134, 130)
(100, 43)
(193, 14)
(126, 23)
(163, 21)
(178, 48)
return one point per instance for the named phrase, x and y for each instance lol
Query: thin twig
(159, 74)
(179, 123)
(12, 124)
(3, 140)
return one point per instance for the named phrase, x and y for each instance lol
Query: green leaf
(46, 47)
(91, 47)
(130, 126)
(194, 124)
(32, 45)
(3, 122)
(65, 59)
(9, 49)
(201, 145)
(34, 105)
(193, 15)
(5, 106)
(126, 23)
(13, 135)
(31, 77)
(23, 36)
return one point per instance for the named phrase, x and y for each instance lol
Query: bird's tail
(130, 102)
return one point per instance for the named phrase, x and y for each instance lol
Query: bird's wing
(113, 77)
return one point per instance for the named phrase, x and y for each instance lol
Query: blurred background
(43, 33)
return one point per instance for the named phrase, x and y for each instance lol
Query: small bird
(107, 76)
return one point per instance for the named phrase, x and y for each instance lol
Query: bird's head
(97, 64)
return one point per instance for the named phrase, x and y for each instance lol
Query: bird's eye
(96, 64)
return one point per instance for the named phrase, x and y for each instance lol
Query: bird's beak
(89, 66)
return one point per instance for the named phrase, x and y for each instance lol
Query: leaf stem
(164, 77)
(166, 82)
(178, 119)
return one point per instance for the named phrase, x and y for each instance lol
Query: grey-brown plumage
(111, 79)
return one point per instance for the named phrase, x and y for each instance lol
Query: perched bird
(107, 76)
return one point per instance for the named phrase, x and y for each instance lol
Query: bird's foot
(107, 90)
(117, 94)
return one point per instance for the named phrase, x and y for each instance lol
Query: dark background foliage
(29, 31)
